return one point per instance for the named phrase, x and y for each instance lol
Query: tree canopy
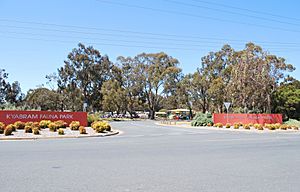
(252, 79)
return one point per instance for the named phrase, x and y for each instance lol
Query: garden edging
(59, 137)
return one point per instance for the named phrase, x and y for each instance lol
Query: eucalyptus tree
(152, 73)
(255, 76)
(3, 85)
(86, 70)
(134, 97)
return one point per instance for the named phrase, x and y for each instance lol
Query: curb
(232, 130)
(57, 137)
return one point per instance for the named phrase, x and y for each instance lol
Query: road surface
(152, 158)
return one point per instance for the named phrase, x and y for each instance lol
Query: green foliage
(202, 119)
(43, 99)
(293, 122)
(74, 125)
(92, 118)
(287, 99)
(82, 77)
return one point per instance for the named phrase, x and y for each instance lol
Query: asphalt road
(148, 157)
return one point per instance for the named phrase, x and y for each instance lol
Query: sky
(36, 36)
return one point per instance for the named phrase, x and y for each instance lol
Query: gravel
(45, 133)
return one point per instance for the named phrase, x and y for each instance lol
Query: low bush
(61, 124)
(36, 131)
(19, 125)
(52, 127)
(219, 125)
(61, 131)
(283, 127)
(228, 125)
(2, 127)
(44, 124)
(29, 123)
(92, 118)
(292, 122)
(295, 127)
(9, 129)
(277, 125)
(82, 130)
(202, 119)
(101, 126)
(74, 125)
(11, 126)
(270, 126)
(246, 126)
(28, 129)
(250, 124)
(236, 125)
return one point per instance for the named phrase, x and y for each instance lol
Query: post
(227, 105)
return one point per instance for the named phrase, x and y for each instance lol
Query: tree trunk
(191, 113)
(152, 114)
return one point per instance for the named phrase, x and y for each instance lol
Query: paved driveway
(148, 157)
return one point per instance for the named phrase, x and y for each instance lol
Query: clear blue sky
(36, 36)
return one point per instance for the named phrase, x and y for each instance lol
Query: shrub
(101, 126)
(36, 131)
(92, 118)
(61, 131)
(208, 124)
(202, 119)
(29, 123)
(2, 127)
(246, 126)
(270, 126)
(250, 124)
(61, 124)
(220, 125)
(52, 127)
(283, 127)
(8, 130)
(236, 125)
(292, 122)
(277, 125)
(259, 127)
(82, 130)
(74, 125)
(295, 127)
(44, 124)
(11, 126)
(228, 125)
(28, 129)
(19, 125)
